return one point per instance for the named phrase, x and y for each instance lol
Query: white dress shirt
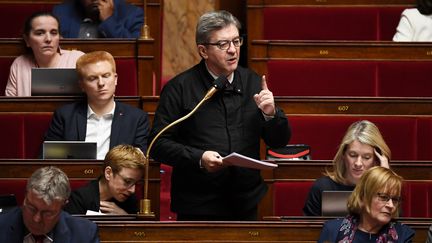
(99, 130)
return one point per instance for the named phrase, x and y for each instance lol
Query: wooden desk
(288, 230)
(261, 51)
(76, 170)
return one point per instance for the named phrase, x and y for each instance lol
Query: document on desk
(244, 161)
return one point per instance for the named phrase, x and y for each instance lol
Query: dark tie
(39, 238)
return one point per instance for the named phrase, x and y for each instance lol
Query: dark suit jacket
(130, 125)
(126, 21)
(67, 230)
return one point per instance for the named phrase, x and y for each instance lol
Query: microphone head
(220, 82)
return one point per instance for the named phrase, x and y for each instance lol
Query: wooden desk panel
(50, 103)
(76, 170)
(289, 230)
(313, 169)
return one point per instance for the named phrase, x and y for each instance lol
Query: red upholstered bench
(5, 64)
(127, 84)
(320, 23)
(18, 187)
(330, 23)
(404, 79)
(22, 134)
(417, 199)
(321, 78)
(324, 134)
(289, 197)
(13, 15)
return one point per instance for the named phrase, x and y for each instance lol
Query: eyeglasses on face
(127, 182)
(46, 214)
(384, 197)
(226, 44)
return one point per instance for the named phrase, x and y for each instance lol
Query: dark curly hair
(424, 6)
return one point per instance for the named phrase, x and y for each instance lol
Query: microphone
(218, 84)
(145, 204)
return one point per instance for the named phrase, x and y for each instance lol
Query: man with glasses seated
(232, 120)
(41, 218)
(113, 192)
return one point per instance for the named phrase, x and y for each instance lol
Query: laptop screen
(334, 203)
(54, 81)
(69, 150)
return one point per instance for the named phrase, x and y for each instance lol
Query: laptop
(334, 203)
(54, 81)
(7, 202)
(69, 150)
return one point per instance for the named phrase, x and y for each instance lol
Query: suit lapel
(81, 120)
(116, 124)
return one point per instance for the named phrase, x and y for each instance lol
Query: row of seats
(410, 138)
(324, 20)
(349, 78)
(330, 23)
(416, 198)
(126, 69)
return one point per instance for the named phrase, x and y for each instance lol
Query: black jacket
(228, 122)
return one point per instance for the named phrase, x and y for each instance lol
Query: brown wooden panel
(49, 103)
(272, 3)
(341, 50)
(286, 230)
(77, 169)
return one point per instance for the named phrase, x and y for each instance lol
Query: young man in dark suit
(99, 118)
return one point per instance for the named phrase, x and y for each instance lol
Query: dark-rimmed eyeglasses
(46, 214)
(226, 44)
(127, 182)
(384, 197)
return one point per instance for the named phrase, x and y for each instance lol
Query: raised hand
(265, 99)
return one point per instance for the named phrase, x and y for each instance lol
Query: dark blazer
(126, 21)
(88, 198)
(68, 229)
(130, 125)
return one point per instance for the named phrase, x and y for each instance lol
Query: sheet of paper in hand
(244, 161)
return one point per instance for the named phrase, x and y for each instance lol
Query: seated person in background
(42, 37)
(99, 118)
(99, 19)
(41, 218)
(372, 207)
(415, 23)
(362, 148)
(113, 192)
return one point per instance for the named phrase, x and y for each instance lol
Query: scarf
(349, 227)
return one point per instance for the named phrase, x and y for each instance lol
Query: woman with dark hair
(372, 207)
(415, 23)
(41, 37)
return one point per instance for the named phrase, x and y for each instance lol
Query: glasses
(226, 44)
(384, 197)
(46, 214)
(127, 182)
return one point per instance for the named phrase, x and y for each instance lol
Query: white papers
(244, 161)
(91, 212)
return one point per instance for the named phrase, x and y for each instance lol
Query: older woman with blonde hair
(361, 148)
(372, 207)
